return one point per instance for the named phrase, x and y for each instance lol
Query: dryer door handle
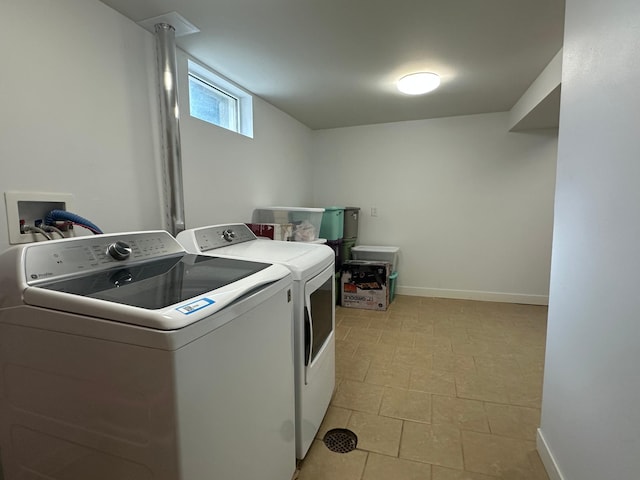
(308, 336)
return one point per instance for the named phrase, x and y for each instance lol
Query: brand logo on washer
(35, 276)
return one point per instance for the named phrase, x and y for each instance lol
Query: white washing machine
(313, 267)
(124, 357)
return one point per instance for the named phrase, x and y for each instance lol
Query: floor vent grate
(340, 440)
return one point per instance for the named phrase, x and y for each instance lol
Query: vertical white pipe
(169, 115)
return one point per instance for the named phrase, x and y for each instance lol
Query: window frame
(244, 100)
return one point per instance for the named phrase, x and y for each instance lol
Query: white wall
(590, 407)
(76, 108)
(227, 175)
(469, 204)
(80, 116)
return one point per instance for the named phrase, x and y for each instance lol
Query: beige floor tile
(417, 325)
(530, 363)
(404, 308)
(405, 316)
(450, 362)
(498, 364)
(527, 338)
(363, 335)
(397, 338)
(341, 332)
(470, 320)
(445, 329)
(363, 397)
(498, 320)
(472, 347)
(381, 467)
(376, 354)
(353, 312)
(354, 368)
(409, 300)
(338, 382)
(539, 472)
(377, 313)
(442, 473)
(433, 381)
(354, 321)
(323, 464)
(388, 375)
(413, 357)
(485, 329)
(525, 390)
(345, 348)
(513, 421)
(435, 444)
(375, 433)
(496, 455)
(462, 413)
(481, 387)
(388, 323)
(335, 417)
(505, 377)
(406, 405)
(431, 342)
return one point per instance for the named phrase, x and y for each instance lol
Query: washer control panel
(210, 238)
(56, 259)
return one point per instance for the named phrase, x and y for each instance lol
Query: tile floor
(435, 389)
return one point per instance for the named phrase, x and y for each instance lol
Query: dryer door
(319, 319)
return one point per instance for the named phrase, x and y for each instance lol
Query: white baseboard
(547, 458)
(474, 295)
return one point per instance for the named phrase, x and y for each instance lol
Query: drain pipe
(169, 115)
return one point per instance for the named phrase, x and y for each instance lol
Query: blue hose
(63, 215)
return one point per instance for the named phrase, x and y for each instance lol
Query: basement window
(215, 100)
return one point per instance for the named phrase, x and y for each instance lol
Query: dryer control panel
(58, 259)
(210, 238)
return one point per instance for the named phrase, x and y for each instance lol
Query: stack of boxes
(340, 228)
(351, 215)
(332, 229)
(368, 281)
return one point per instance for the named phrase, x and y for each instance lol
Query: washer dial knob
(119, 250)
(228, 235)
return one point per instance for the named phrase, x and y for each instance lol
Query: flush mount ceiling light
(418, 83)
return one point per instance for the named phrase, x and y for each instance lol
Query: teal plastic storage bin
(332, 226)
(392, 285)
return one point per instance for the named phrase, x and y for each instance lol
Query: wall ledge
(475, 295)
(539, 106)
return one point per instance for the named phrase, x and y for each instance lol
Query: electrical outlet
(32, 207)
(374, 211)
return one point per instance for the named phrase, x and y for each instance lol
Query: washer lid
(185, 290)
(156, 284)
(303, 259)
(159, 283)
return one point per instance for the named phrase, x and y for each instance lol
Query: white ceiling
(333, 63)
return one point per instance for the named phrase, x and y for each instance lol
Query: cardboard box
(365, 284)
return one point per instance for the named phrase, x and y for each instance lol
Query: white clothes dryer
(313, 269)
(124, 357)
